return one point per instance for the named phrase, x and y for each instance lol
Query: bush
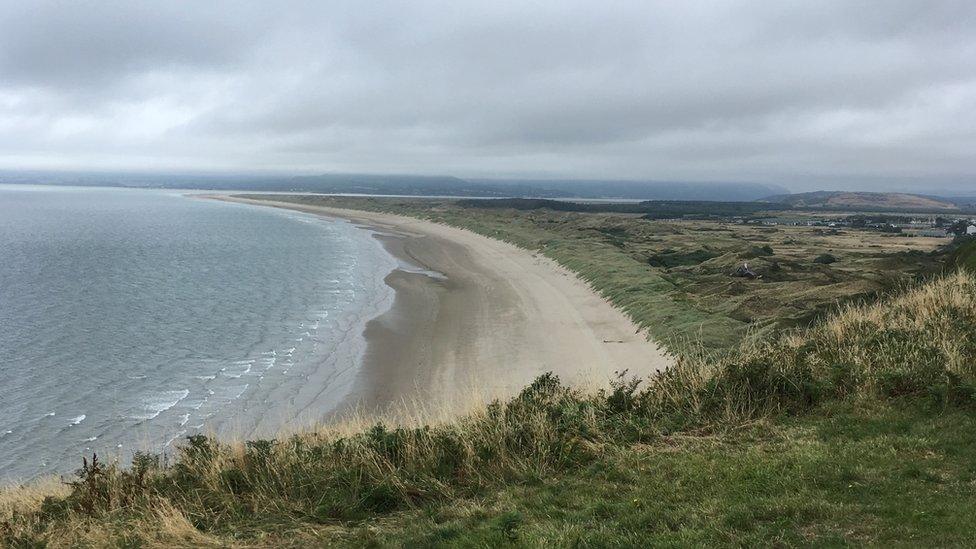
(758, 251)
(669, 258)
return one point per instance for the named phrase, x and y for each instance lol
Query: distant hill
(853, 200)
(410, 185)
(727, 191)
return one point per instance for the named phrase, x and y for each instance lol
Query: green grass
(890, 474)
(856, 431)
(964, 255)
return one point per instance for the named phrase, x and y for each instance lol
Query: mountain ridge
(862, 199)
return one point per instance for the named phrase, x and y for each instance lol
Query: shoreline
(475, 318)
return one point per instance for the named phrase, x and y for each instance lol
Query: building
(940, 233)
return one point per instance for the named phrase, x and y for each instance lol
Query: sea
(131, 319)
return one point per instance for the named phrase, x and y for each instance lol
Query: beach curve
(497, 318)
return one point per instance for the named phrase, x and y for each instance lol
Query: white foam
(184, 418)
(91, 439)
(78, 419)
(238, 373)
(234, 392)
(178, 435)
(160, 402)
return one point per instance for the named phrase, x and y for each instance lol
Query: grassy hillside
(866, 200)
(855, 431)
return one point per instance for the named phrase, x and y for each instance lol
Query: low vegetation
(964, 255)
(857, 430)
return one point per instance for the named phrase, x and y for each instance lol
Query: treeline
(652, 209)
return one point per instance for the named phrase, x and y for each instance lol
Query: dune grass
(853, 431)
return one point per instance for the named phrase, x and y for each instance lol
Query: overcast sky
(798, 93)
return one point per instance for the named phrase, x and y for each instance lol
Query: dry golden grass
(27, 498)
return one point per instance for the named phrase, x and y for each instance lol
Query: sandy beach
(478, 316)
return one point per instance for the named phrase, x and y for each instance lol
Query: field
(674, 277)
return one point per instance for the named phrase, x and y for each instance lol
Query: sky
(804, 94)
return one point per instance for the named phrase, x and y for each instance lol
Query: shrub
(758, 251)
(674, 258)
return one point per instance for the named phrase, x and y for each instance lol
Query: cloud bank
(797, 93)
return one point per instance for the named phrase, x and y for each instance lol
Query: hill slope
(857, 431)
(853, 200)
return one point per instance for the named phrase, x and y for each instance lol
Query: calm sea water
(132, 318)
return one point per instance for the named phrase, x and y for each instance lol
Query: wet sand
(493, 319)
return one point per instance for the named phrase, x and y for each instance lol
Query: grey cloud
(766, 91)
(77, 44)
